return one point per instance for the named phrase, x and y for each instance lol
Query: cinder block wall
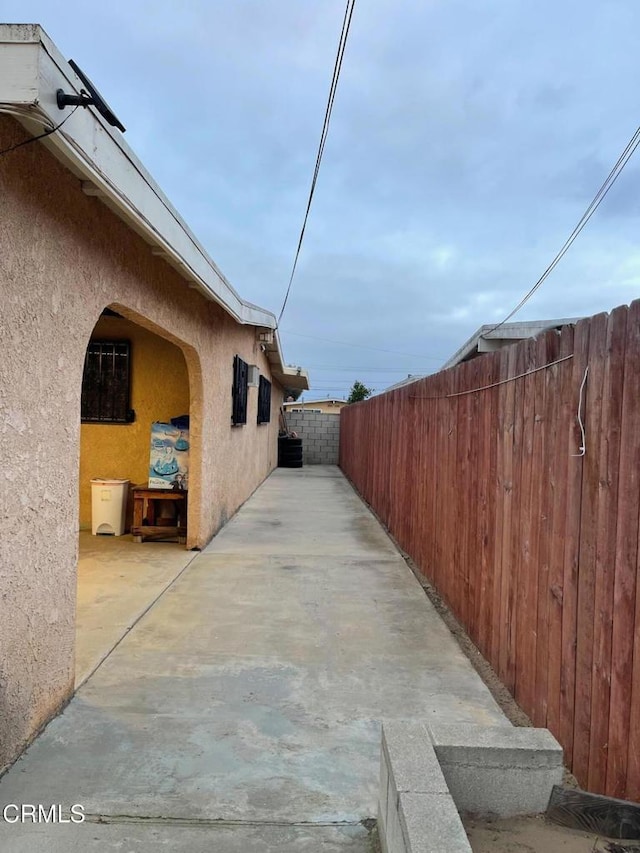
(320, 434)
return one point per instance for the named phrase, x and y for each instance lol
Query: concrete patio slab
(254, 689)
(118, 580)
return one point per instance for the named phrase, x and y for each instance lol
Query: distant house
(410, 378)
(113, 317)
(488, 338)
(321, 406)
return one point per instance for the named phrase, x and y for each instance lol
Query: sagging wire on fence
(493, 384)
(583, 446)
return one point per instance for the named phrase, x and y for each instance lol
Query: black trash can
(289, 452)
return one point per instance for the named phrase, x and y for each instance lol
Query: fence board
(431, 478)
(591, 416)
(546, 414)
(462, 493)
(437, 388)
(632, 791)
(501, 504)
(526, 536)
(449, 527)
(609, 453)
(507, 578)
(559, 467)
(443, 508)
(624, 592)
(485, 414)
(473, 472)
(572, 546)
(515, 551)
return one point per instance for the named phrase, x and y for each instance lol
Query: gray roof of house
(489, 337)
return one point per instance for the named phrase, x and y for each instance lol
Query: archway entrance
(134, 381)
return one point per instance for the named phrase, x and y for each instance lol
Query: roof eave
(31, 71)
(288, 376)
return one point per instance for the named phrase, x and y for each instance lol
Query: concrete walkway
(242, 713)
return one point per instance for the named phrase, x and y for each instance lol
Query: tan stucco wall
(159, 392)
(64, 258)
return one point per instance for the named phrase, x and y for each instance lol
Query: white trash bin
(108, 506)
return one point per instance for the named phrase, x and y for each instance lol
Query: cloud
(467, 140)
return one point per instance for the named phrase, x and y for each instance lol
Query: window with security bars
(239, 391)
(106, 383)
(264, 401)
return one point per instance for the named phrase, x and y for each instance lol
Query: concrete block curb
(496, 746)
(430, 773)
(412, 760)
(498, 770)
(416, 813)
(441, 831)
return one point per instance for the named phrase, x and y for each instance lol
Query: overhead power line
(439, 359)
(346, 23)
(339, 369)
(610, 180)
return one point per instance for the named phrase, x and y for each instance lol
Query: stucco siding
(65, 257)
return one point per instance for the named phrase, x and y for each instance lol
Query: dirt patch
(535, 835)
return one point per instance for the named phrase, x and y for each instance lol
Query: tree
(359, 392)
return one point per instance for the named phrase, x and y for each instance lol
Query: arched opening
(140, 423)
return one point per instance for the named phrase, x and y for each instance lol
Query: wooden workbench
(147, 504)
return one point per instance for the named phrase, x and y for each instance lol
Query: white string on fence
(583, 446)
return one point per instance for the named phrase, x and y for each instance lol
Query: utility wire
(610, 180)
(493, 384)
(362, 346)
(346, 23)
(40, 136)
(339, 368)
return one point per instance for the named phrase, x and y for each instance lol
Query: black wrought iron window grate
(106, 383)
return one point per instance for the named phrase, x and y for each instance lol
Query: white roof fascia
(31, 71)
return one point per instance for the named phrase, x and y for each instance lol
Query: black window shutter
(264, 401)
(240, 389)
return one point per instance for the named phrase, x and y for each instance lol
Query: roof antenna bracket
(81, 100)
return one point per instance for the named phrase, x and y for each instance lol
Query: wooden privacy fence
(478, 473)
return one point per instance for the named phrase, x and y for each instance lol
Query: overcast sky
(467, 139)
